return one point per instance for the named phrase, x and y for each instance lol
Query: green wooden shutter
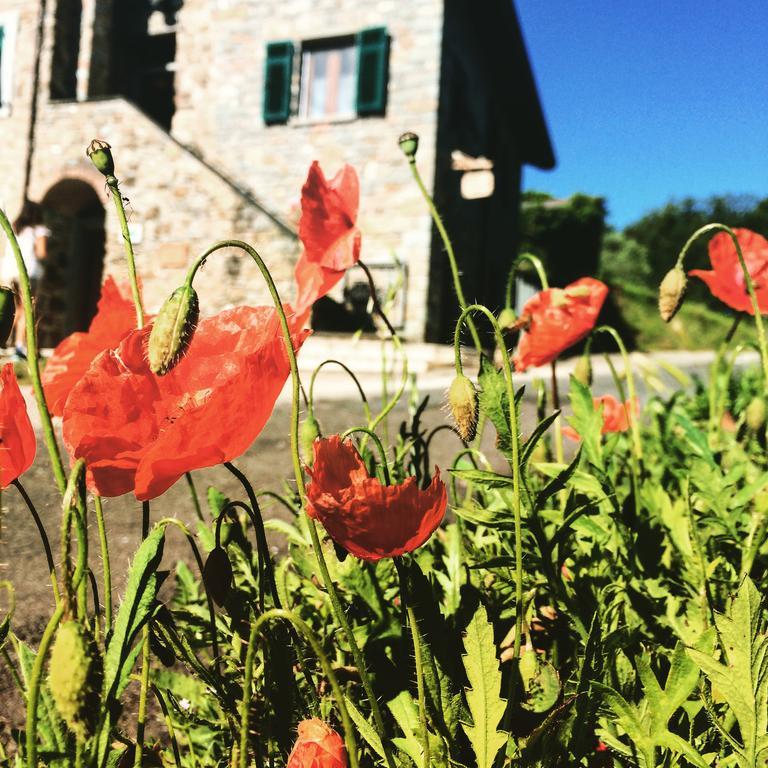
(277, 82)
(372, 71)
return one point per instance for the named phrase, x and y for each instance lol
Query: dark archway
(71, 284)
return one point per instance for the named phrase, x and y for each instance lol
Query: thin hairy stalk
(311, 398)
(330, 587)
(722, 350)
(559, 454)
(379, 447)
(540, 272)
(448, 250)
(317, 649)
(141, 717)
(117, 198)
(195, 497)
(33, 362)
(515, 437)
(106, 569)
(168, 725)
(43, 537)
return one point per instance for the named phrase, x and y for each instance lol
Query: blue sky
(650, 100)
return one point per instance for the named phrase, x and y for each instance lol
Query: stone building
(215, 110)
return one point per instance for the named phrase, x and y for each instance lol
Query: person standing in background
(32, 235)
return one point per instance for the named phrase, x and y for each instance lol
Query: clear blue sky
(650, 100)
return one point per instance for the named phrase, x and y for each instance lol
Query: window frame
(8, 23)
(320, 45)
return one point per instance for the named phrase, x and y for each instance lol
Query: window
(339, 77)
(7, 41)
(327, 86)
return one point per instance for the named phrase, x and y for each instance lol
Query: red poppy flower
(328, 232)
(114, 318)
(318, 746)
(556, 319)
(140, 432)
(17, 438)
(367, 518)
(726, 279)
(616, 415)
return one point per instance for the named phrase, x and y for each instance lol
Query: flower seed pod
(462, 400)
(7, 313)
(172, 330)
(409, 144)
(70, 677)
(100, 154)
(310, 431)
(755, 414)
(582, 372)
(217, 575)
(507, 319)
(671, 293)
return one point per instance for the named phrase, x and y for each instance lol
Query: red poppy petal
(17, 437)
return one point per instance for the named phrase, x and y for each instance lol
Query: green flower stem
(309, 635)
(379, 447)
(33, 362)
(748, 283)
(35, 681)
(168, 725)
(107, 571)
(714, 400)
(514, 433)
(631, 391)
(141, 717)
(730, 364)
(449, 251)
(43, 537)
(338, 610)
(540, 271)
(117, 198)
(559, 453)
(73, 508)
(311, 398)
(195, 497)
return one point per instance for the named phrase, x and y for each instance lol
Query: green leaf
(743, 679)
(483, 478)
(367, 731)
(587, 421)
(536, 435)
(558, 483)
(483, 700)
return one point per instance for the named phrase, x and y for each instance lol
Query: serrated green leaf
(483, 695)
(367, 731)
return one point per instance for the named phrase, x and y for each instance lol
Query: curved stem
(449, 251)
(748, 284)
(303, 628)
(107, 571)
(515, 438)
(339, 612)
(43, 537)
(35, 680)
(379, 447)
(33, 363)
(540, 272)
(311, 398)
(128, 246)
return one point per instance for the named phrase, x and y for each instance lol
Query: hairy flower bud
(172, 330)
(507, 319)
(582, 371)
(671, 292)
(310, 431)
(317, 746)
(462, 400)
(7, 313)
(71, 678)
(409, 144)
(755, 414)
(217, 575)
(100, 154)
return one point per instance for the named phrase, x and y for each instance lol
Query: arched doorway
(72, 282)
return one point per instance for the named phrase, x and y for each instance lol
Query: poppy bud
(172, 330)
(318, 746)
(310, 431)
(755, 414)
(462, 400)
(100, 154)
(507, 319)
(217, 575)
(409, 143)
(7, 313)
(70, 677)
(582, 372)
(671, 292)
